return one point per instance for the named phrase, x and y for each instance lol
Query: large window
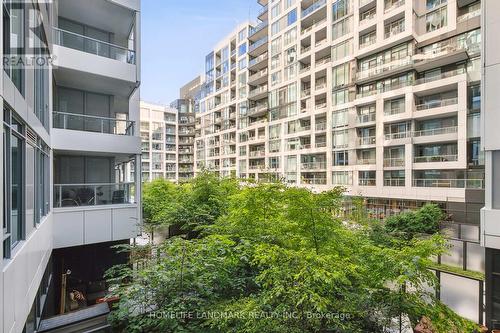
(436, 19)
(340, 9)
(26, 181)
(292, 17)
(13, 39)
(41, 81)
(342, 50)
(340, 75)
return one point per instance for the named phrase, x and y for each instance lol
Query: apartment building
(159, 142)
(70, 96)
(381, 97)
(187, 106)
(490, 214)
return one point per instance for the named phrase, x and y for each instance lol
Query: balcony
(394, 182)
(313, 166)
(394, 5)
(363, 141)
(312, 8)
(258, 63)
(320, 126)
(93, 46)
(436, 104)
(258, 93)
(450, 183)
(96, 124)
(382, 69)
(76, 195)
(305, 93)
(78, 132)
(257, 110)
(366, 118)
(436, 131)
(257, 153)
(366, 161)
(367, 182)
(398, 135)
(258, 78)
(394, 30)
(394, 162)
(435, 158)
(258, 46)
(441, 76)
(365, 42)
(313, 180)
(258, 31)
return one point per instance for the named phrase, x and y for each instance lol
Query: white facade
(159, 142)
(378, 96)
(71, 138)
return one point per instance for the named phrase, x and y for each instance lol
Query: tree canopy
(270, 258)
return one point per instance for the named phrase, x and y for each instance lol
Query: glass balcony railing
(436, 131)
(257, 44)
(74, 195)
(96, 124)
(93, 46)
(435, 158)
(436, 104)
(394, 162)
(450, 183)
(312, 8)
(394, 182)
(257, 28)
(313, 166)
(367, 182)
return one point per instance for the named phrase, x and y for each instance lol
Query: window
(13, 39)
(342, 50)
(342, 178)
(289, 3)
(242, 35)
(242, 49)
(290, 36)
(275, 11)
(394, 178)
(340, 139)
(274, 146)
(242, 64)
(434, 3)
(292, 17)
(274, 162)
(367, 39)
(436, 19)
(340, 9)
(275, 28)
(340, 118)
(340, 96)
(276, 46)
(41, 80)
(340, 75)
(340, 158)
(341, 28)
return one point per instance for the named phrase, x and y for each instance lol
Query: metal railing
(435, 158)
(93, 46)
(449, 183)
(86, 123)
(436, 131)
(258, 91)
(394, 6)
(439, 76)
(73, 195)
(379, 69)
(314, 181)
(320, 126)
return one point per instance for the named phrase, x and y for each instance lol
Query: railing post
(60, 196)
(102, 126)
(95, 195)
(65, 121)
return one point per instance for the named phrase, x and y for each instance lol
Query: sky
(176, 36)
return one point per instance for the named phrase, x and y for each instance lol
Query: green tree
(281, 259)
